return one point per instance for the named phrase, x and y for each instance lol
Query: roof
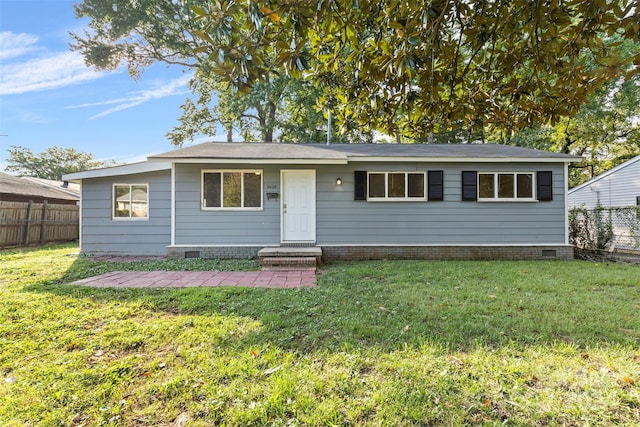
(71, 188)
(27, 186)
(306, 153)
(342, 153)
(605, 174)
(140, 167)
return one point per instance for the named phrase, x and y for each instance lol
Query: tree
(425, 66)
(52, 163)
(138, 33)
(605, 131)
(281, 108)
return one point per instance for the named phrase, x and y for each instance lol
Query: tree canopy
(51, 163)
(138, 33)
(281, 108)
(421, 66)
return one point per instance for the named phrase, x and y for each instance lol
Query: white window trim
(242, 172)
(515, 187)
(113, 202)
(406, 198)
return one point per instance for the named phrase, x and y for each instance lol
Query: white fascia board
(356, 159)
(118, 170)
(263, 161)
(464, 159)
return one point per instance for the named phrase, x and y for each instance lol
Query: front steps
(290, 258)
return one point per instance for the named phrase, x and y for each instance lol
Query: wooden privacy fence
(25, 223)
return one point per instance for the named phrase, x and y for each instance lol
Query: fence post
(27, 224)
(43, 221)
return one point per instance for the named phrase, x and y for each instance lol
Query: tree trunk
(270, 122)
(230, 134)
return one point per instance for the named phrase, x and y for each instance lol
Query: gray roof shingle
(10, 184)
(344, 152)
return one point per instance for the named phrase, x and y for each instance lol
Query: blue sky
(48, 97)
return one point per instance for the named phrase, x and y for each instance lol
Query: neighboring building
(617, 187)
(615, 191)
(354, 201)
(25, 189)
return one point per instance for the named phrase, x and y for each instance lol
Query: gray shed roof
(10, 184)
(342, 153)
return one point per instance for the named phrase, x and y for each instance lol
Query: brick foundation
(210, 252)
(559, 252)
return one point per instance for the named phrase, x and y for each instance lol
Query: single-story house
(25, 189)
(354, 201)
(617, 187)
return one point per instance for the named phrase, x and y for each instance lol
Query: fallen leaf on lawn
(405, 330)
(11, 379)
(486, 403)
(628, 380)
(98, 353)
(146, 374)
(254, 353)
(272, 370)
(181, 420)
(456, 360)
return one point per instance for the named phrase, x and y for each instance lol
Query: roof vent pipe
(328, 127)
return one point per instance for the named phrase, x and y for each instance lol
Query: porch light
(338, 181)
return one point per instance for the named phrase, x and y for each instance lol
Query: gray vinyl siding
(195, 226)
(340, 220)
(620, 188)
(103, 235)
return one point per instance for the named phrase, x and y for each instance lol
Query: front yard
(376, 343)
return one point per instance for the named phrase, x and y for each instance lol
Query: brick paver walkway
(298, 278)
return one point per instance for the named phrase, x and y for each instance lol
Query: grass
(377, 343)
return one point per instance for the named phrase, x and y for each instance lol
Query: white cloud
(49, 72)
(14, 45)
(174, 87)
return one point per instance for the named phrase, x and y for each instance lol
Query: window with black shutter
(544, 186)
(360, 186)
(469, 185)
(435, 190)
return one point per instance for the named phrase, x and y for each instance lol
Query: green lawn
(377, 343)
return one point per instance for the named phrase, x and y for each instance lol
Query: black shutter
(360, 185)
(469, 185)
(435, 190)
(544, 186)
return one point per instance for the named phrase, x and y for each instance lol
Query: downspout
(80, 218)
(566, 203)
(173, 203)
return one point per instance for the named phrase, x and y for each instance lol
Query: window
(130, 201)
(232, 189)
(396, 185)
(505, 186)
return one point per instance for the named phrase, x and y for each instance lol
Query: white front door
(298, 205)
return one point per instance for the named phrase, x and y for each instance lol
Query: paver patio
(298, 278)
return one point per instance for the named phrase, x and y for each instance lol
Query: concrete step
(290, 251)
(288, 261)
(285, 268)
